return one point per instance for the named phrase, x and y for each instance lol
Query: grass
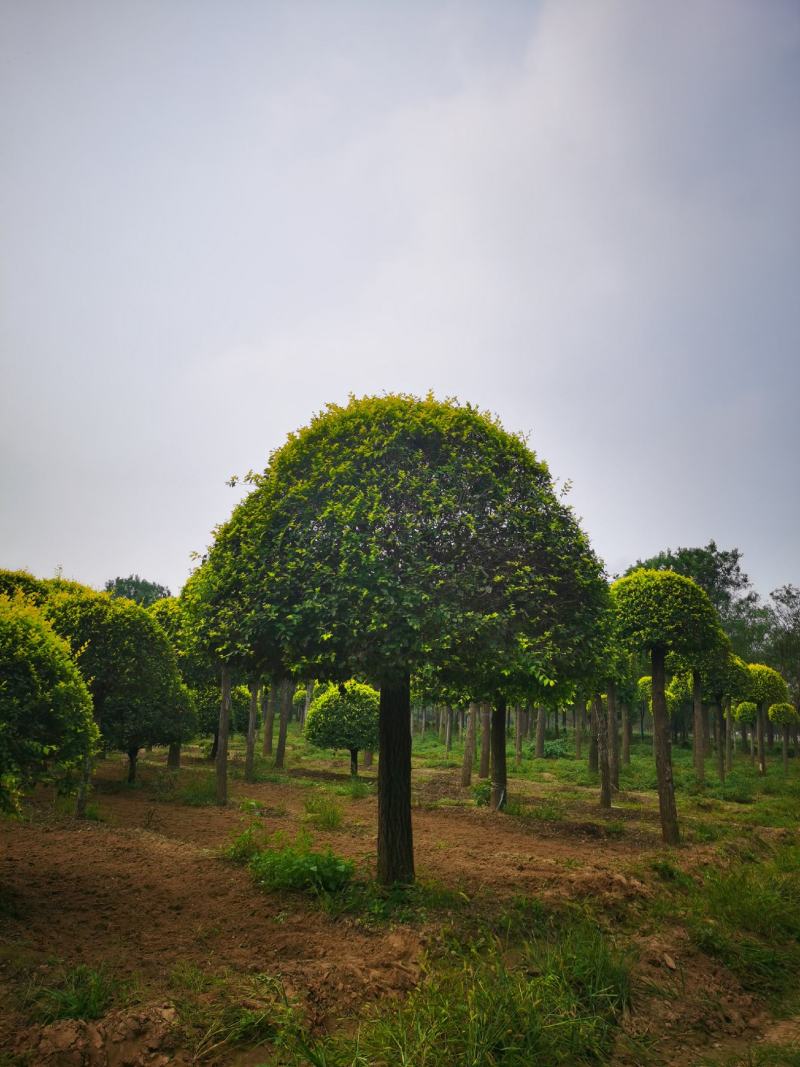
(199, 790)
(324, 813)
(80, 992)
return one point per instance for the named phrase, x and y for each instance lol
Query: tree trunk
(786, 749)
(580, 714)
(308, 698)
(499, 774)
(367, 759)
(83, 787)
(252, 725)
(666, 785)
(698, 738)
(353, 762)
(517, 736)
(601, 716)
(594, 763)
(613, 736)
(486, 719)
(270, 703)
(224, 731)
(448, 729)
(728, 735)
(287, 688)
(720, 720)
(540, 721)
(770, 731)
(469, 746)
(706, 730)
(762, 753)
(395, 838)
(626, 733)
(133, 756)
(174, 756)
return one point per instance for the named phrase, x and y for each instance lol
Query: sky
(216, 216)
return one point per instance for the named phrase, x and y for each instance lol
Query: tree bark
(728, 735)
(580, 714)
(698, 733)
(601, 716)
(720, 720)
(252, 723)
(540, 721)
(486, 718)
(308, 698)
(469, 746)
(666, 786)
(448, 729)
(499, 773)
(287, 688)
(762, 752)
(786, 749)
(224, 732)
(84, 786)
(626, 733)
(517, 736)
(353, 762)
(174, 756)
(212, 755)
(613, 735)
(395, 838)
(269, 718)
(594, 763)
(133, 756)
(367, 759)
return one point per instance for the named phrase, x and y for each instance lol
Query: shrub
(344, 716)
(295, 866)
(482, 791)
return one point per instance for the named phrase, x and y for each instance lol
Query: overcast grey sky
(218, 215)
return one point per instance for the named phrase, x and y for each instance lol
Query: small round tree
(766, 687)
(661, 612)
(344, 716)
(46, 723)
(784, 715)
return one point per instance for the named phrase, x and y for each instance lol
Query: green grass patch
(80, 992)
(324, 813)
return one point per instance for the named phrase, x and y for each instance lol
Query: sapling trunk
(486, 718)
(469, 746)
(395, 838)
(666, 785)
(499, 774)
(133, 756)
(252, 724)
(224, 732)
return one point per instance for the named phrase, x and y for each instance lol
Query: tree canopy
(140, 590)
(344, 715)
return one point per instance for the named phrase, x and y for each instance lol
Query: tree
(129, 666)
(784, 715)
(659, 611)
(395, 533)
(746, 714)
(766, 687)
(785, 634)
(140, 590)
(46, 724)
(717, 571)
(344, 715)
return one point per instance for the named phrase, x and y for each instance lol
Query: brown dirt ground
(146, 889)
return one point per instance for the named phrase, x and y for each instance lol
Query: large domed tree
(660, 612)
(397, 533)
(767, 687)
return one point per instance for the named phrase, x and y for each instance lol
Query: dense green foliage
(784, 714)
(661, 609)
(46, 724)
(140, 590)
(344, 716)
(766, 685)
(746, 711)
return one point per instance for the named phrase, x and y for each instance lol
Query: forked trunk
(133, 756)
(666, 785)
(174, 756)
(224, 732)
(252, 724)
(469, 746)
(486, 719)
(499, 774)
(698, 737)
(286, 695)
(395, 838)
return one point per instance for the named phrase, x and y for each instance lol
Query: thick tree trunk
(786, 749)
(613, 736)
(469, 746)
(625, 733)
(601, 717)
(666, 785)
(269, 718)
(540, 722)
(499, 773)
(133, 756)
(252, 725)
(287, 688)
(594, 763)
(353, 762)
(174, 756)
(486, 719)
(224, 732)
(698, 739)
(762, 752)
(395, 838)
(720, 721)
